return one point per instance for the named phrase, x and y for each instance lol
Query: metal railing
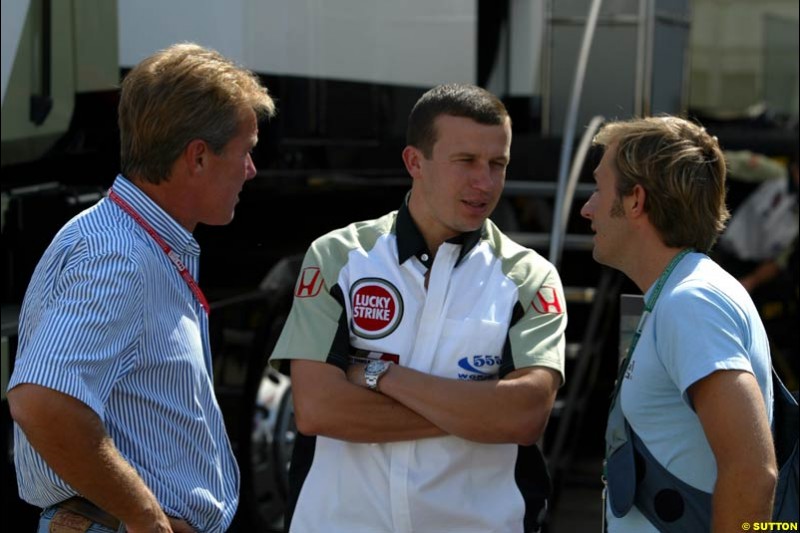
(561, 206)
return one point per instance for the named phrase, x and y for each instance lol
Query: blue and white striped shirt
(108, 319)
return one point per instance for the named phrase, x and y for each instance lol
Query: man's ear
(636, 201)
(412, 157)
(195, 155)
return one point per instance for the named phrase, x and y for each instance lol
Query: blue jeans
(47, 516)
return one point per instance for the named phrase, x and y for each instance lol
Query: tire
(263, 452)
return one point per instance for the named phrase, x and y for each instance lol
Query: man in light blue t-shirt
(697, 388)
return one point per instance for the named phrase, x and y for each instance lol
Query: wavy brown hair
(682, 169)
(179, 94)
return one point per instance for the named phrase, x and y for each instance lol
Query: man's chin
(219, 221)
(473, 224)
(597, 255)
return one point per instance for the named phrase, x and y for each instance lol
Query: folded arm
(514, 409)
(326, 404)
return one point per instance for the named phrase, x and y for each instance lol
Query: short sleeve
(537, 338)
(83, 337)
(313, 323)
(699, 330)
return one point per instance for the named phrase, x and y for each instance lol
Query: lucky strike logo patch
(377, 308)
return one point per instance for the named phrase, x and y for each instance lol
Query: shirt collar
(410, 241)
(175, 235)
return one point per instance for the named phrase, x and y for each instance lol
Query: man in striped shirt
(116, 423)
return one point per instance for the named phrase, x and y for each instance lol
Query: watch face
(375, 366)
(373, 371)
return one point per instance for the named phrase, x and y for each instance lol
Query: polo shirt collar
(410, 241)
(175, 235)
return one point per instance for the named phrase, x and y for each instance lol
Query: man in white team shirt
(461, 334)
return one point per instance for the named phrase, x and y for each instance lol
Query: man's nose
(587, 209)
(250, 170)
(482, 178)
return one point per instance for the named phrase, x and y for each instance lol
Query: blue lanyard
(648, 308)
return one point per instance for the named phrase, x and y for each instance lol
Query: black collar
(411, 243)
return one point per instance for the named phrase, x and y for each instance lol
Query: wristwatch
(373, 372)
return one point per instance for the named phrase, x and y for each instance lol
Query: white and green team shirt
(491, 307)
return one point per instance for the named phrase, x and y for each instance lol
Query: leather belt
(85, 508)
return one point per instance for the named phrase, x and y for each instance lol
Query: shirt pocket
(470, 349)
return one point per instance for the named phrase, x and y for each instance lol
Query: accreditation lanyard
(648, 308)
(173, 256)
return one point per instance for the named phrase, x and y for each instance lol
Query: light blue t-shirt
(703, 321)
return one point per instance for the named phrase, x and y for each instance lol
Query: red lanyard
(182, 270)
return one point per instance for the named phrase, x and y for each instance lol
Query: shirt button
(424, 257)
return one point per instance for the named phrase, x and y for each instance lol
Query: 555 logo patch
(479, 367)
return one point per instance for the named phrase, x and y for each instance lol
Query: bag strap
(785, 422)
(785, 429)
(671, 504)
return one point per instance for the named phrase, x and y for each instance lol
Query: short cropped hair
(179, 94)
(455, 99)
(682, 169)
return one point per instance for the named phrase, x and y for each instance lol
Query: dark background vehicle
(345, 75)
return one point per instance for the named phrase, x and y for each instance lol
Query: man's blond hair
(179, 94)
(682, 169)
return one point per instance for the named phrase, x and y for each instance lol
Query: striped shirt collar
(175, 235)
(411, 242)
